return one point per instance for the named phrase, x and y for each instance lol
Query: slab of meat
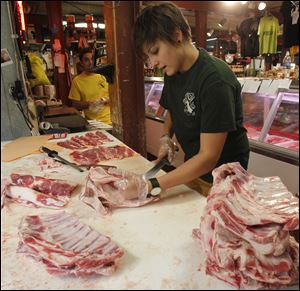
(274, 139)
(100, 154)
(100, 193)
(66, 246)
(244, 230)
(96, 138)
(37, 191)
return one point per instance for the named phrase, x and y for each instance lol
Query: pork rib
(94, 156)
(96, 138)
(66, 246)
(38, 191)
(244, 230)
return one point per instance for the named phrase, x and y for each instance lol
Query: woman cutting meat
(202, 98)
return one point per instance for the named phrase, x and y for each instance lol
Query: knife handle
(50, 153)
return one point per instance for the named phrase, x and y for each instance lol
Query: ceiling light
(222, 22)
(101, 25)
(261, 6)
(210, 32)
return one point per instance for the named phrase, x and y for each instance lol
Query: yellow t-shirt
(268, 30)
(91, 87)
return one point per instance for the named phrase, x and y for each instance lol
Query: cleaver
(152, 172)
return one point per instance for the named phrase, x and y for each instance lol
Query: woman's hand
(130, 186)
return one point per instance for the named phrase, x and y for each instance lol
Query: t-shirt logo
(100, 85)
(188, 101)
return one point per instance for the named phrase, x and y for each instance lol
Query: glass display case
(272, 120)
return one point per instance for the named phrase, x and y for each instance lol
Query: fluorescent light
(81, 24)
(84, 25)
(261, 6)
(229, 2)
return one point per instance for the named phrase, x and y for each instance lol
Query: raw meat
(37, 191)
(96, 138)
(94, 156)
(66, 246)
(274, 139)
(244, 230)
(101, 194)
(4, 186)
(50, 165)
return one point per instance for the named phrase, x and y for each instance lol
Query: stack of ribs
(66, 246)
(100, 191)
(245, 230)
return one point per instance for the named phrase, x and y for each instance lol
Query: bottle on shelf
(287, 60)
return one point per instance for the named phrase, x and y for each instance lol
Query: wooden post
(201, 28)
(55, 24)
(127, 91)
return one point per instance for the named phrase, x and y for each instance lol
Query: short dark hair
(84, 51)
(159, 22)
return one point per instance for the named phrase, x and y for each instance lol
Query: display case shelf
(271, 119)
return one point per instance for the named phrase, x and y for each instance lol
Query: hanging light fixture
(222, 22)
(261, 6)
(210, 32)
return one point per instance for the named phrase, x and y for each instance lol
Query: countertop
(160, 252)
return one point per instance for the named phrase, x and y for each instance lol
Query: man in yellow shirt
(89, 91)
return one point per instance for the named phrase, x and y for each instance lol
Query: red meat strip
(100, 193)
(96, 155)
(96, 138)
(244, 230)
(66, 246)
(38, 191)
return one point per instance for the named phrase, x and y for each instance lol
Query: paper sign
(284, 83)
(251, 86)
(264, 86)
(273, 88)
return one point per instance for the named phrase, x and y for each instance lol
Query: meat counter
(160, 252)
(271, 116)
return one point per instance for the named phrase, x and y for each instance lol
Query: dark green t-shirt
(207, 99)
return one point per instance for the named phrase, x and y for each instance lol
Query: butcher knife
(151, 173)
(54, 154)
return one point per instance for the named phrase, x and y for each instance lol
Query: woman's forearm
(192, 169)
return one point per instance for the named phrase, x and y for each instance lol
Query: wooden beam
(127, 90)
(201, 28)
(62, 83)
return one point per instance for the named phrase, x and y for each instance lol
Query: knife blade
(151, 173)
(54, 154)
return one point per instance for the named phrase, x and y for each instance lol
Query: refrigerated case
(272, 122)
(270, 117)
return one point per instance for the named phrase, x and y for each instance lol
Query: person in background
(89, 91)
(202, 97)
